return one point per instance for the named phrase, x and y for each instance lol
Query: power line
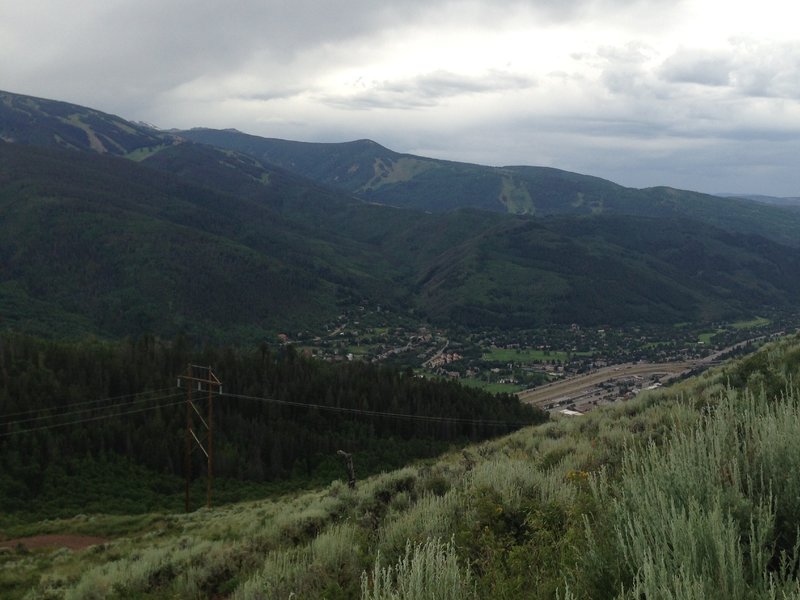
(339, 409)
(376, 413)
(84, 403)
(86, 410)
(90, 419)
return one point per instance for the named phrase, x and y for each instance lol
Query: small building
(570, 413)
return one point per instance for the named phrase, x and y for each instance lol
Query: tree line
(51, 431)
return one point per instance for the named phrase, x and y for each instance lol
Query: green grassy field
(705, 337)
(495, 388)
(751, 324)
(528, 355)
(360, 350)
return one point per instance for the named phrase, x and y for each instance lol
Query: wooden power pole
(348, 464)
(199, 379)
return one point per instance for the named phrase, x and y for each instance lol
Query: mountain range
(775, 200)
(115, 228)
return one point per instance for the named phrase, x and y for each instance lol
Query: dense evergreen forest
(110, 415)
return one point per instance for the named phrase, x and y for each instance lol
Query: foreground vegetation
(691, 492)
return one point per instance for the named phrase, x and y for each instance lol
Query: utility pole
(348, 464)
(199, 378)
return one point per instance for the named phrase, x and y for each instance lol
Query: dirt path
(73, 542)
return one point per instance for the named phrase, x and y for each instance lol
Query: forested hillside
(113, 228)
(103, 245)
(379, 174)
(100, 426)
(51, 123)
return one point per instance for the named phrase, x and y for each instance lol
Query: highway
(583, 389)
(582, 385)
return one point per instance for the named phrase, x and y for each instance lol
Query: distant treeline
(50, 431)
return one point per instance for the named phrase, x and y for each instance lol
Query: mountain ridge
(291, 251)
(43, 122)
(377, 174)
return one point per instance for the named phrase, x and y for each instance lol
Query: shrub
(427, 571)
(712, 513)
(430, 516)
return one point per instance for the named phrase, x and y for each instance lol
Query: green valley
(437, 380)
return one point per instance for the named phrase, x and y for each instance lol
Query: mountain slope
(107, 245)
(605, 269)
(792, 202)
(223, 244)
(130, 249)
(378, 174)
(41, 122)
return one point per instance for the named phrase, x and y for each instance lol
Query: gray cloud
(639, 111)
(126, 52)
(701, 67)
(749, 67)
(649, 12)
(767, 69)
(429, 89)
(625, 72)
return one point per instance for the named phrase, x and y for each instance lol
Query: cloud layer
(698, 94)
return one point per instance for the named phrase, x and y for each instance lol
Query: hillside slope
(606, 269)
(100, 244)
(96, 243)
(100, 426)
(42, 122)
(686, 493)
(103, 245)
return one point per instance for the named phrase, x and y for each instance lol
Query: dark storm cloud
(133, 51)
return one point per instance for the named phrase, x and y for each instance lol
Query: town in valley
(568, 369)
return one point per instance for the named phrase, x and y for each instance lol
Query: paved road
(575, 386)
(581, 385)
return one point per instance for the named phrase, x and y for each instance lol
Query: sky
(693, 94)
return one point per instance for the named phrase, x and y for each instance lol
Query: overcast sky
(697, 94)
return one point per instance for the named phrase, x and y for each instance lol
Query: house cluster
(445, 358)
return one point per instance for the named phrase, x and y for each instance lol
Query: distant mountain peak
(42, 122)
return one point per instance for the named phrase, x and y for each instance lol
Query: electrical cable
(371, 413)
(89, 419)
(86, 410)
(83, 403)
(382, 414)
